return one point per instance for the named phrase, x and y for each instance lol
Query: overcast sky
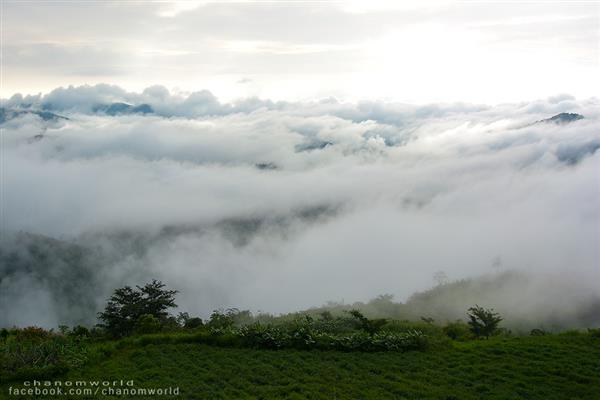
(406, 51)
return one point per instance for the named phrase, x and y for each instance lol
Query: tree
(220, 319)
(497, 262)
(156, 300)
(440, 278)
(483, 322)
(127, 305)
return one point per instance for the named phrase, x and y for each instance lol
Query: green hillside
(317, 354)
(565, 366)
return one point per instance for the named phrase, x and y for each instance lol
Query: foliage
(147, 323)
(127, 305)
(538, 332)
(193, 323)
(301, 336)
(33, 351)
(80, 331)
(457, 330)
(595, 333)
(3, 334)
(483, 322)
(185, 321)
(370, 326)
(221, 319)
(326, 316)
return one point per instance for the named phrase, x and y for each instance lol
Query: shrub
(400, 326)
(193, 323)
(302, 337)
(34, 352)
(336, 325)
(457, 330)
(3, 334)
(326, 316)
(184, 320)
(80, 331)
(594, 332)
(229, 318)
(537, 332)
(147, 323)
(483, 322)
(262, 336)
(220, 319)
(271, 337)
(32, 334)
(370, 326)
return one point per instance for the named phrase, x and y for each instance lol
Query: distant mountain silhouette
(123, 109)
(314, 145)
(6, 114)
(562, 118)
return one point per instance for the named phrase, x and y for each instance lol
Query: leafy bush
(260, 336)
(399, 326)
(3, 334)
(147, 323)
(537, 332)
(34, 352)
(595, 333)
(193, 323)
(185, 321)
(221, 319)
(263, 336)
(382, 341)
(32, 334)
(457, 330)
(335, 325)
(80, 331)
(483, 322)
(229, 318)
(370, 326)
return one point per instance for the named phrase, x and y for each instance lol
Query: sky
(410, 51)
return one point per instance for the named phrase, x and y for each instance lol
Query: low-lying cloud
(278, 206)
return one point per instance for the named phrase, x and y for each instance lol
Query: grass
(545, 367)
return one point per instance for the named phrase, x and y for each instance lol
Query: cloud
(173, 8)
(406, 51)
(358, 199)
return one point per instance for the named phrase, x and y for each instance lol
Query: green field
(565, 366)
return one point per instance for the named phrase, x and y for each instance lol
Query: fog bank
(283, 206)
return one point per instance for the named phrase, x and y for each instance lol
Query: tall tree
(127, 305)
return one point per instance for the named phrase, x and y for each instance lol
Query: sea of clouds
(278, 206)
